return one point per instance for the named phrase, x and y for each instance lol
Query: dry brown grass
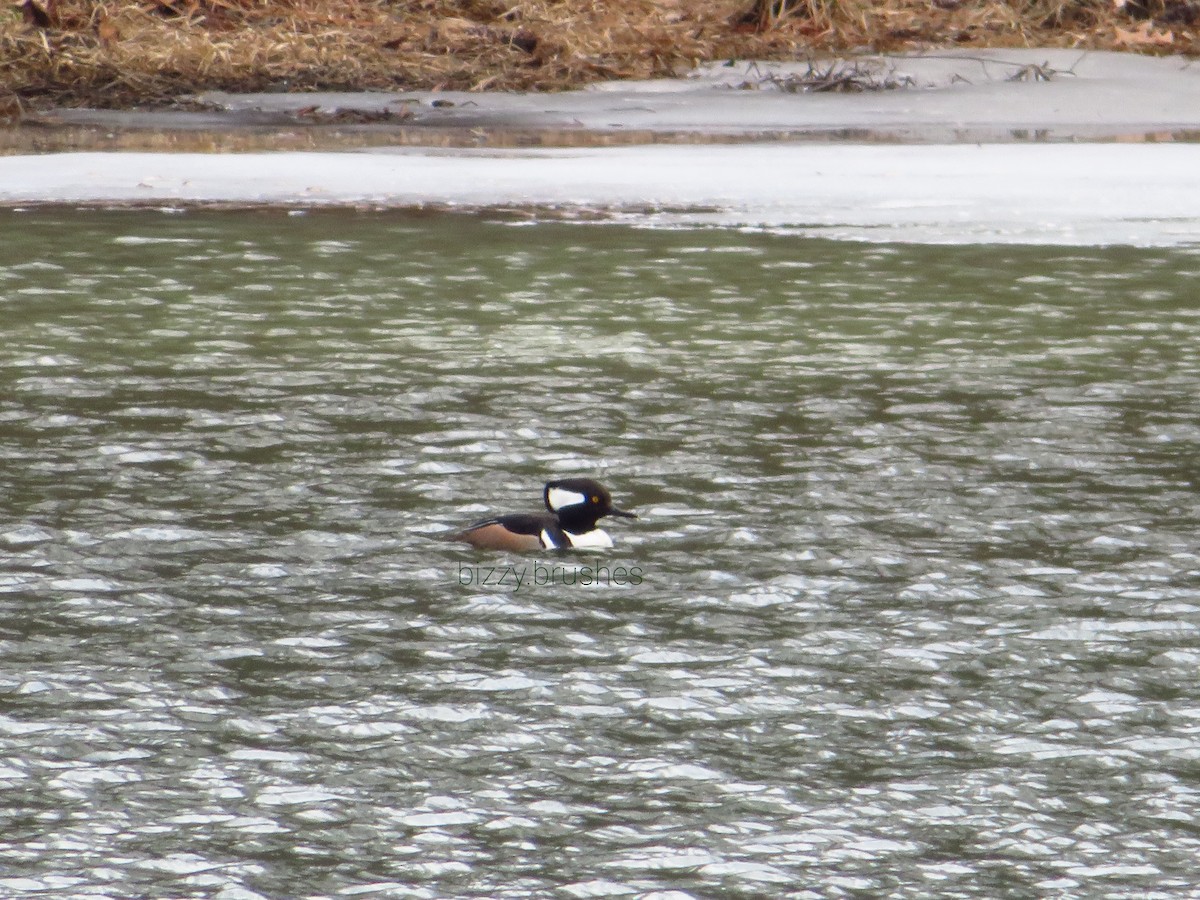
(110, 53)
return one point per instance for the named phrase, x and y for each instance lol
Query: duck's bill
(623, 514)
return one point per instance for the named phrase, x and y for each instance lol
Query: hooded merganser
(575, 505)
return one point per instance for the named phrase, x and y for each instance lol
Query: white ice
(1070, 194)
(985, 159)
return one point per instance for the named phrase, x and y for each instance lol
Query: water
(917, 578)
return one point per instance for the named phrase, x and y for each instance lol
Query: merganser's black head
(579, 503)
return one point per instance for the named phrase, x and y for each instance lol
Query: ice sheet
(1085, 194)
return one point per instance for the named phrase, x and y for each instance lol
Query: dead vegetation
(831, 76)
(122, 52)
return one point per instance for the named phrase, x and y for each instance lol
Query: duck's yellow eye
(595, 499)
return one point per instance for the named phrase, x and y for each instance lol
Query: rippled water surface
(911, 609)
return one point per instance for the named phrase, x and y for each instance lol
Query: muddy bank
(950, 96)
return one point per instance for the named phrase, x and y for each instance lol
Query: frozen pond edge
(1091, 194)
(1069, 181)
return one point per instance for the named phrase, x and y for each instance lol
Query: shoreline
(943, 97)
(1082, 148)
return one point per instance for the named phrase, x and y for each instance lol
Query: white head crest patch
(557, 498)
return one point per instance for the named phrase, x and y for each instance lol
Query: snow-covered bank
(1140, 194)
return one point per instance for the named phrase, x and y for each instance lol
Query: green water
(918, 569)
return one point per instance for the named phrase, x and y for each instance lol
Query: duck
(574, 506)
